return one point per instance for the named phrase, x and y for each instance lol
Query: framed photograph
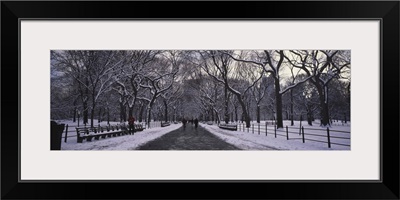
(279, 100)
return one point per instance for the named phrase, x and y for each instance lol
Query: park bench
(209, 123)
(232, 127)
(89, 133)
(85, 133)
(164, 124)
(114, 130)
(139, 127)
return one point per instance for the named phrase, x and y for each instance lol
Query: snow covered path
(211, 137)
(188, 139)
(127, 142)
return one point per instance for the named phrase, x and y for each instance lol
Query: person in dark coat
(196, 123)
(131, 122)
(184, 123)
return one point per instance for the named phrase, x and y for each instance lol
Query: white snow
(246, 140)
(126, 142)
(249, 141)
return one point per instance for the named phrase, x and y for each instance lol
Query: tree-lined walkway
(188, 139)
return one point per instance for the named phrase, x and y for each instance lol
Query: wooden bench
(113, 131)
(85, 133)
(164, 124)
(232, 127)
(138, 127)
(209, 123)
(89, 133)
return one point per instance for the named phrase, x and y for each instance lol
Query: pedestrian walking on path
(196, 123)
(131, 122)
(184, 123)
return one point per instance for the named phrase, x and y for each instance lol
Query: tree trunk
(85, 104)
(278, 98)
(325, 115)
(166, 110)
(74, 118)
(309, 118)
(328, 116)
(85, 112)
(75, 111)
(245, 112)
(122, 113)
(291, 108)
(148, 116)
(323, 102)
(141, 113)
(212, 114)
(248, 110)
(174, 115)
(130, 110)
(226, 114)
(99, 119)
(236, 114)
(149, 107)
(92, 115)
(217, 116)
(348, 90)
(258, 114)
(108, 115)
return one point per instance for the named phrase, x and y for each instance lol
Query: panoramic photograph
(200, 100)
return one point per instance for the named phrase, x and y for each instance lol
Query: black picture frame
(386, 11)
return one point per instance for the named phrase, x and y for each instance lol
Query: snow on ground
(243, 139)
(248, 141)
(126, 142)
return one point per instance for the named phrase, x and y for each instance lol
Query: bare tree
(210, 95)
(169, 98)
(217, 64)
(272, 61)
(322, 67)
(93, 71)
(235, 105)
(259, 91)
(157, 81)
(217, 85)
(123, 93)
(219, 70)
(136, 68)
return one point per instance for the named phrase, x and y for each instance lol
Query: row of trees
(217, 85)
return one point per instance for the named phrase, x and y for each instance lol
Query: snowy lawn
(126, 142)
(248, 141)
